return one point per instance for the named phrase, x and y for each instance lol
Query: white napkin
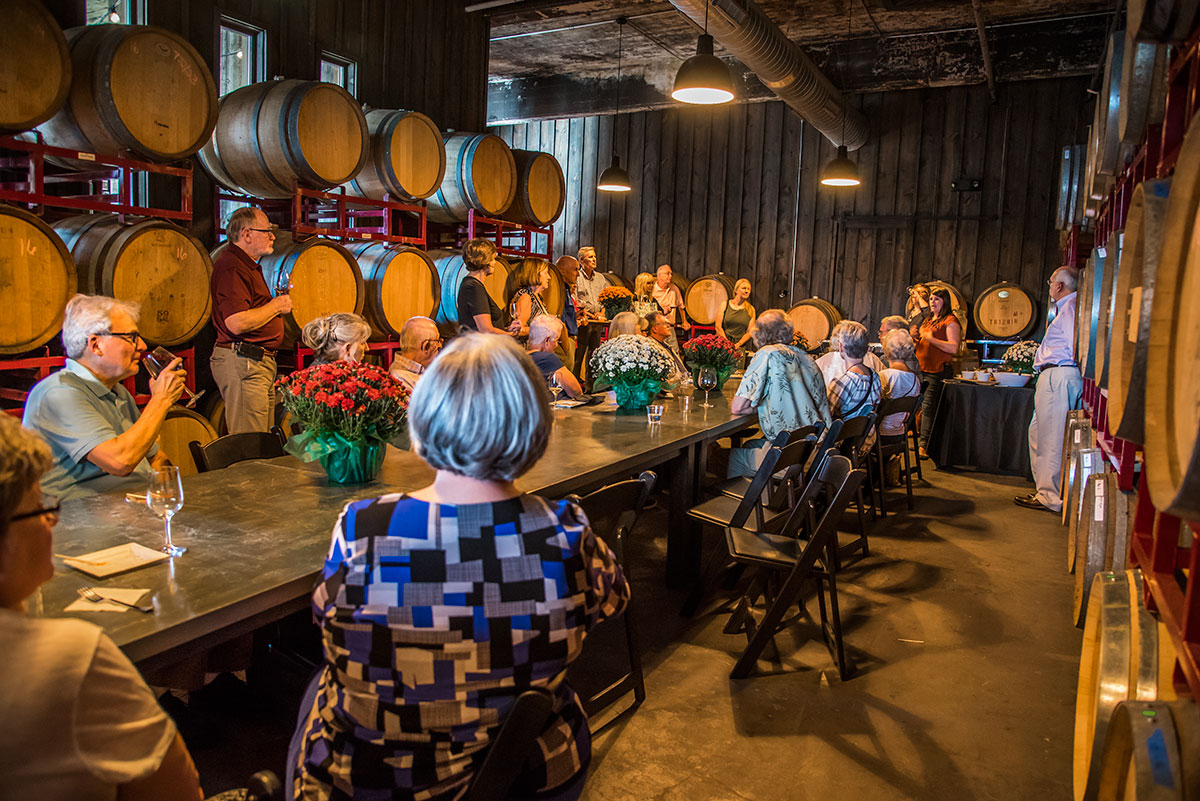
(129, 596)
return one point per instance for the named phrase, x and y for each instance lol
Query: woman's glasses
(51, 505)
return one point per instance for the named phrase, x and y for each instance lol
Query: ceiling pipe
(748, 33)
(985, 50)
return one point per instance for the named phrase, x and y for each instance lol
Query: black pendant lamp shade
(703, 79)
(841, 171)
(615, 178)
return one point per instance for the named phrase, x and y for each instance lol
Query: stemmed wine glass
(555, 389)
(706, 380)
(157, 361)
(164, 496)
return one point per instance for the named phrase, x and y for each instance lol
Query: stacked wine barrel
(706, 296)
(451, 270)
(35, 66)
(814, 319)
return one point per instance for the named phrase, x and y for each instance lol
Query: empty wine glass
(706, 380)
(164, 496)
(157, 361)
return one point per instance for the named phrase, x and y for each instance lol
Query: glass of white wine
(164, 496)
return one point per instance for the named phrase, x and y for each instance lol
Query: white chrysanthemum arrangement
(630, 359)
(1019, 357)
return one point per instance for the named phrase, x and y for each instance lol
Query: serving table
(982, 426)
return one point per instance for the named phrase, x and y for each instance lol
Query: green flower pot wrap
(345, 461)
(637, 395)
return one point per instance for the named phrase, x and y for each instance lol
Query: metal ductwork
(747, 32)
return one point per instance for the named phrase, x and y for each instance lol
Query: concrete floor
(959, 621)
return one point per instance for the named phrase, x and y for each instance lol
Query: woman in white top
(898, 380)
(80, 724)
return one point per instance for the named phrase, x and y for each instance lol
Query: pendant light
(615, 178)
(842, 171)
(703, 79)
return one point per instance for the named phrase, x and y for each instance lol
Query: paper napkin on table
(129, 596)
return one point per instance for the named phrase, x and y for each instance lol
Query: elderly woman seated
(544, 331)
(337, 337)
(623, 323)
(834, 363)
(439, 607)
(856, 392)
(898, 380)
(782, 385)
(79, 721)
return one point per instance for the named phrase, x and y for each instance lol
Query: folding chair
(736, 487)
(850, 443)
(234, 448)
(914, 439)
(788, 563)
(772, 502)
(508, 752)
(613, 512)
(907, 406)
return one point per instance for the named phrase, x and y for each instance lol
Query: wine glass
(706, 380)
(164, 496)
(157, 361)
(555, 389)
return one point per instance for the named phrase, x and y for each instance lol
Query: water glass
(164, 496)
(685, 403)
(654, 413)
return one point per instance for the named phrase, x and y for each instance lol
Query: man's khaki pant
(248, 388)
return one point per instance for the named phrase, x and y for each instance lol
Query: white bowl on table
(1012, 379)
(968, 375)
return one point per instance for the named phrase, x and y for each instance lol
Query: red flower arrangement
(710, 350)
(355, 400)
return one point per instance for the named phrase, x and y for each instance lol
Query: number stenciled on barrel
(162, 316)
(185, 67)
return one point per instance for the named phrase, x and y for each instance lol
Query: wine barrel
(407, 157)
(1102, 542)
(1143, 89)
(320, 275)
(400, 282)
(1087, 307)
(451, 271)
(181, 427)
(1140, 759)
(1004, 311)
(1104, 305)
(541, 190)
(958, 302)
(615, 279)
(553, 297)
(481, 174)
(1162, 21)
(1079, 192)
(1109, 159)
(1077, 426)
(707, 295)
(153, 263)
(274, 134)
(135, 88)
(35, 66)
(1069, 173)
(37, 278)
(1172, 455)
(1129, 334)
(1088, 462)
(814, 319)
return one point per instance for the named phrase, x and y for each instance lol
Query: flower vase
(357, 463)
(636, 395)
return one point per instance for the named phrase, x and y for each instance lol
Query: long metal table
(257, 533)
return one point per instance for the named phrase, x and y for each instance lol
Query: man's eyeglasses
(131, 337)
(51, 505)
(274, 229)
(438, 340)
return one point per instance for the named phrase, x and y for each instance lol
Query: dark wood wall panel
(735, 189)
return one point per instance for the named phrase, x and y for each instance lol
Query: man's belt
(248, 350)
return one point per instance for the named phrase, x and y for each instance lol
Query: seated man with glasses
(420, 343)
(98, 439)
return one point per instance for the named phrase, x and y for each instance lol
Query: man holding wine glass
(97, 437)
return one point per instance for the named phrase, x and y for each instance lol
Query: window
(339, 70)
(103, 12)
(240, 62)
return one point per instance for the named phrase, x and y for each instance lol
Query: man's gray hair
(240, 220)
(893, 322)
(898, 345)
(88, 315)
(482, 409)
(585, 251)
(1069, 276)
(412, 336)
(24, 458)
(544, 328)
(853, 338)
(773, 327)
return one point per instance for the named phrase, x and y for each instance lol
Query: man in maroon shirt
(248, 323)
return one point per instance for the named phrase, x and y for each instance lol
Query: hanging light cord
(706, 2)
(845, 100)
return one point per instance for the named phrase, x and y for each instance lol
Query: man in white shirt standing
(1058, 389)
(592, 324)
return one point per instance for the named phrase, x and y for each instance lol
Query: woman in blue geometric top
(438, 607)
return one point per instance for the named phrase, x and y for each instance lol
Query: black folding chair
(234, 448)
(784, 564)
(507, 754)
(613, 511)
(907, 406)
(771, 502)
(851, 443)
(736, 487)
(914, 439)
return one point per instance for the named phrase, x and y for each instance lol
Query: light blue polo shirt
(75, 412)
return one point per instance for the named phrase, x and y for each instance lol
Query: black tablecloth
(985, 427)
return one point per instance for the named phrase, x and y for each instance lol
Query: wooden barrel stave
(136, 88)
(37, 278)
(1133, 297)
(1004, 311)
(1102, 544)
(481, 174)
(1073, 436)
(153, 263)
(1110, 161)
(1088, 311)
(1140, 757)
(616, 279)
(1104, 305)
(181, 427)
(814, 319)
(1087, 462)
(35, 66)
(400, 283)
(407, 156)
(321, 276)
(1143, 89)
(541, 191)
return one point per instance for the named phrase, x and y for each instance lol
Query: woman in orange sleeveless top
(938, 339)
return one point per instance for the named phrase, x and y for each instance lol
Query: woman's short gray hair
(478, 254)
(625, 322)
(544, 328)
(853, 338)
(326, 335)
(24, 458)
(88, 315)
(773, 327)
(898, 345)
(482, 409)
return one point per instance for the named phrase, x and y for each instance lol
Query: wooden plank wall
(735, 189)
